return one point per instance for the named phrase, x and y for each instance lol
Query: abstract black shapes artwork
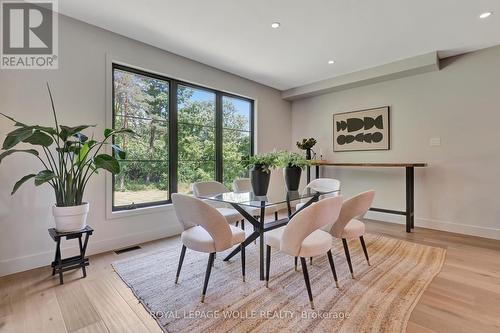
(361, 130)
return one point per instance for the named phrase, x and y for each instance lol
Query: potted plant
(260, 172)
(292, 164)
(69, 159)
(307, 144)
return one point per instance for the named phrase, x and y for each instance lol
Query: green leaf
(44, 176)
(16, 136)
(67, 131)
(12, 151)
(107, 162)
(39, 138)
(118, 151)
(82, 155)
(12, 119)
(108, 132)
(21, 182)
(49, 130)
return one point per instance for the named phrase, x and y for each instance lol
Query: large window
(185, 134)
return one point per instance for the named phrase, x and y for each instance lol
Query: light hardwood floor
(464, 297)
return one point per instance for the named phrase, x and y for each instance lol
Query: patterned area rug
(379, 299)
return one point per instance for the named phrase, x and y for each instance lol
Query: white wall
(459, 104)
(79, 88)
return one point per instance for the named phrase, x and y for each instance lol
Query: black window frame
(173, 130)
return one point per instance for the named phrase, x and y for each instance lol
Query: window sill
(112, 215)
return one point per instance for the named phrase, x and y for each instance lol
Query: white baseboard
(28, 262)
(465, 229)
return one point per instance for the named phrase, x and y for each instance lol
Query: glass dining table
(253, 209)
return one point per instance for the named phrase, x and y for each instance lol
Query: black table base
(60, 265)
(260, 227)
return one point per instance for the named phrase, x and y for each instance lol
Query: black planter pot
(260, 181)
(292, 178)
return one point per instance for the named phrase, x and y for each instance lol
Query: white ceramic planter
(71, 218)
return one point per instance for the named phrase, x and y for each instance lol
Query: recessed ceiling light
(485, 15)
(331, 62)
(275, 25)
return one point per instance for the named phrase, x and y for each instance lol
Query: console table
(410, 185)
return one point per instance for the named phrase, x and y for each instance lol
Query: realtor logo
(29, 34)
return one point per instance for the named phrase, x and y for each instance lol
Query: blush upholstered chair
(205, 230)
(348, 226)
(302, 237)
(212, 188)
(322, 185)
(244, 185)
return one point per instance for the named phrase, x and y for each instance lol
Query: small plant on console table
(68, 159)
(307, 144)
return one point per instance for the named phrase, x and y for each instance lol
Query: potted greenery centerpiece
(292, 164)
(307, 144)
(69, 159)
(260, 172)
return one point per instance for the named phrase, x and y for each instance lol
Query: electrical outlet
(435, 142)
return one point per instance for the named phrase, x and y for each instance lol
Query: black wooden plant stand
(60, 265)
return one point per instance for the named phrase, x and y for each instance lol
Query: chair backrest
(324, 185)
(242, 185)
(308, 220)
(209, 188)
(192, 212)
(352, 208)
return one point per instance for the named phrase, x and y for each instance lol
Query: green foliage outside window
(141, 103)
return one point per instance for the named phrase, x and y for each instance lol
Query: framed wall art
(362, 130)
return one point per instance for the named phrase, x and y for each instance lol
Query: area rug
(379, 299)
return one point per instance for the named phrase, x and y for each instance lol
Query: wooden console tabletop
(410, 184)
(375, 165)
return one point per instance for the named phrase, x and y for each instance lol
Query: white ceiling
(236, 35)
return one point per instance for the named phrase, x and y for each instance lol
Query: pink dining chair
(302, 237)
(348, 226)
(205, 230)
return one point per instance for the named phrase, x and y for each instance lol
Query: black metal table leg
(308, 173)
(261, 241)
(409, 199)
(317, 171)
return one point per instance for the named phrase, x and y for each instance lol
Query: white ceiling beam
(428, 62)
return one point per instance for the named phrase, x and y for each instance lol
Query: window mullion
(173, 139)
(218, 138)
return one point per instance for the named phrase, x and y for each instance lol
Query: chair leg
(276, 216)
(332, 266)
(311, 260)
(242, 261)
(306, 279)
(346, 250)
(207, 275)
(363, 245)
(181, 260)
(296, 259)
(243, 224)
(268, 264)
